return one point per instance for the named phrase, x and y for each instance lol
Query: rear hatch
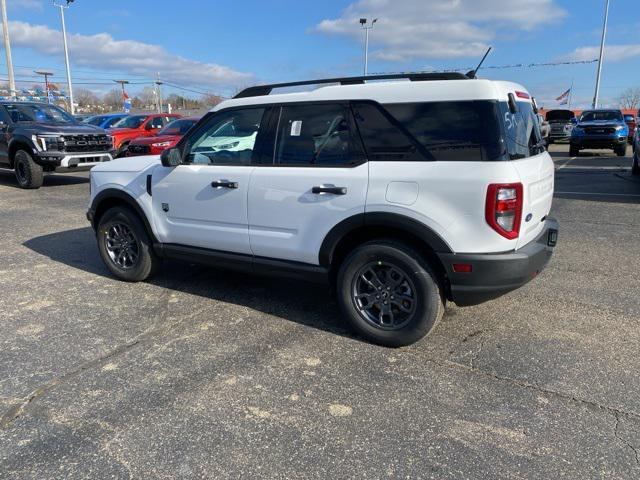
(560, 116)
(537, 177)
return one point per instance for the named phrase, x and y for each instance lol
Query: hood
(157, 139)
(128, 164)
(61, 128)
(601, 123)
(123, 131)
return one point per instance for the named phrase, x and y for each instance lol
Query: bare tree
(630, 99)
(148, 97)
(211, 100)
(85, 98)
(113, 99)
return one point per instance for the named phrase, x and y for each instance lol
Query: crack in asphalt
(18, 409)
(625, 442)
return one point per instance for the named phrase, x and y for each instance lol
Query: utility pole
(601, 58)
(46, 82)
(159, 94)
(366, 28)
(7, 49)
(66, 52)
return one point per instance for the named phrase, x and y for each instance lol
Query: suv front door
(203, 201)
(316, 177)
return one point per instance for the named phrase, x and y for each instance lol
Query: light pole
(600, 59)
(7, 49)
(66, 52)
(46, 82)
(366, 28)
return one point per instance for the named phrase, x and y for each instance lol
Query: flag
(564, 98)
(126, 102)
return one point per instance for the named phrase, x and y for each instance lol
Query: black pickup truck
(36, 138)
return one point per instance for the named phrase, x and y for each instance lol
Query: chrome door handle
(224, 184)
(329, 189)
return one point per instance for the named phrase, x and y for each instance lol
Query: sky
(222, 46)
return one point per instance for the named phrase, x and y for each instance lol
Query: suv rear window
(443, 131)
(521, 131)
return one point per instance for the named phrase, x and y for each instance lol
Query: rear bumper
(495, 274)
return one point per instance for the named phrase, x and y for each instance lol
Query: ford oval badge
(528, 217)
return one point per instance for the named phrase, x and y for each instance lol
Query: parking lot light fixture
(66, 51)
(366, 27)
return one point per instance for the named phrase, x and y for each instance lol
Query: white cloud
(102, 51)
(25, 4)
(417, 29)
(612, 53)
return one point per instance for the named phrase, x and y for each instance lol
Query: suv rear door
(316, 177)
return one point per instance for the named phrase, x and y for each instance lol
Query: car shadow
(8, 179)
(307, 304)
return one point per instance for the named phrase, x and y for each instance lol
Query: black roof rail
(260, 90)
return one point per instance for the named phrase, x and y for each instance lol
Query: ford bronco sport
(374, 187)
(38, 137)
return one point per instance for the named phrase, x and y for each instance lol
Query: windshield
(38, 113)
(628, 118)
(130, 122)
(97, 120)
(608, 115)
(177, 127)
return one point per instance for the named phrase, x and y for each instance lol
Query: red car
(166, 138)
(630, 120)
(134, 126)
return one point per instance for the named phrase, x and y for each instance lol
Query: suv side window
(4, 116)
(453, 130)
(316, 134)
(227, 138)
(384, 139)
(158, 122)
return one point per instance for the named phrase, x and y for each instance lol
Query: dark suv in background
(630, 120)
(600, 129)
(561, 122)
(37, 138)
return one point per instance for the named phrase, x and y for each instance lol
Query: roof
(390, 92)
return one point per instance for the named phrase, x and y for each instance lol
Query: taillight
(503, 210)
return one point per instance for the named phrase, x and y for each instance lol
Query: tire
(122, 150)
(370, 274)
(574, 151)
(635, 166)
(28, 173)
(621, 151)
(121, 225)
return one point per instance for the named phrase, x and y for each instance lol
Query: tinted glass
(606, 115)
(177, 127)
(4, 116)
(314, 135)
(628, 118)
(97, 121)
(110, 122)
(26, 112)
(228, 138)
(521, 131)
(453, 131)
(384, 139)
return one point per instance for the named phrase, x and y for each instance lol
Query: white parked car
(401, 194)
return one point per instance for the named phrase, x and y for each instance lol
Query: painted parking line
(566, 163)
(595, 167)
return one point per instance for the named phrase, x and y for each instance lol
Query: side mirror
(171, 157)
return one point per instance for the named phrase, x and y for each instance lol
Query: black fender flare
(121, 197)
(15, 143)
(379, 219)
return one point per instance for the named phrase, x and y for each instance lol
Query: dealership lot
(204, 373)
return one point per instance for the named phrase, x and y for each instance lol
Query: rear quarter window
(441, 131)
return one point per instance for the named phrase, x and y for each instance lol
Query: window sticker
(296, 128)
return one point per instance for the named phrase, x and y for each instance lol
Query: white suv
(401, 194)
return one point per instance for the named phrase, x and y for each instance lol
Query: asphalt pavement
(201, 373)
